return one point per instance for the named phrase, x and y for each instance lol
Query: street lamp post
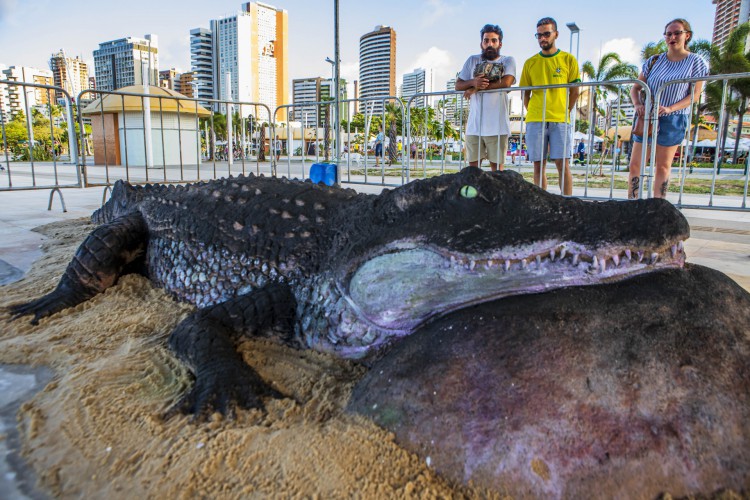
(574, 30)
(337, 59)
(335, 95)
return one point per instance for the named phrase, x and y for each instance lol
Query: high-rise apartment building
(71, 74)
(120, 63)
(184, 84)
(168, 78)
(16, 98)
(202, 63)
(729, 14)
(377, 66)
(252, 46)
(413, 84)
(311, 90)
(452, 105)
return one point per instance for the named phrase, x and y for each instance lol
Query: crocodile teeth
(628, 254)
(674, 251)
(654, 257)
(489, 264)
(539, 261)
(506, 265)
(603, 264)
(595, 263)
(616, 260)
(575, 259)
(680, 246)
(472, 265)
(552, 256)
(640, 255)
(524, 264)
(563, 252)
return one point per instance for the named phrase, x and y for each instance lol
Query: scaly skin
(360, 270)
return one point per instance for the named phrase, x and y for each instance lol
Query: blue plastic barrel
(324, 172)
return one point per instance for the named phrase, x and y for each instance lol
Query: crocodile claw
(223, 388)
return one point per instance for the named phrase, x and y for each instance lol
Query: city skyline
(433, 34)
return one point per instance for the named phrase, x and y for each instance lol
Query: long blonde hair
(685, 26)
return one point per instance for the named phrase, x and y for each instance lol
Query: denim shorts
(671, 130)
(557, 136)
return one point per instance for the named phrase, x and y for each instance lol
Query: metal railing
(355, 161)
(37, 155)
(519, 132)
(685, 170)
(184, 145)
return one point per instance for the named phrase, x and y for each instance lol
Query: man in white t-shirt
(488, 126)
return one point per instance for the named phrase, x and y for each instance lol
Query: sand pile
(96, 430)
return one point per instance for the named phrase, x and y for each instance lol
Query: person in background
(581, 150)
(379, 146)
(488, 125)
(551, 131)
(277, 148)
(674, 105)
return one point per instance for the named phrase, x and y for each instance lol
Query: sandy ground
(96, 431)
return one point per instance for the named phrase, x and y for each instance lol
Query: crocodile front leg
(205, 342)
(96, 266)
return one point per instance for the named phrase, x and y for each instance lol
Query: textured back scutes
(278, 221)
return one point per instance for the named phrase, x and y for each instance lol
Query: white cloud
(349, 71)
(626, 48)
(439, 61)
(434, 10)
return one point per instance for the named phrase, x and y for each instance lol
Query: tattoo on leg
(635, 184)
(664, 187)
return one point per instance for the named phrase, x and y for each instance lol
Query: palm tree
(610, 69)
(732, 58)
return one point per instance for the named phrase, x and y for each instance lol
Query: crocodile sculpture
(348, 273)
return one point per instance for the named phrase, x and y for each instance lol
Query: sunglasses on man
(545, 34)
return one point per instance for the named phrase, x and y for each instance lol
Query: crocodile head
(441, 244)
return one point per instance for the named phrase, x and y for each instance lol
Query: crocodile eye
(469, 192)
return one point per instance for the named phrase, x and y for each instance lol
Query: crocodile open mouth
(404, 287)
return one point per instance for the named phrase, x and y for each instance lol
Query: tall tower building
(253, 47)
(452, 105)
(16, 98)
(71, 74)
(729, 14)
(309, 90)
(183, 84)
(413, 84)
(167, 79)
(377, 65)
(120, 63)
(202, 63)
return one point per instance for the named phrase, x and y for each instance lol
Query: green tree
(610, 69)
(731, 58)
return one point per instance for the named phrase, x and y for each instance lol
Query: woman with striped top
(674, 106)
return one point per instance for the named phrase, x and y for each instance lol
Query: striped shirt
(664, 70)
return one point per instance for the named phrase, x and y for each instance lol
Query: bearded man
(488, 126)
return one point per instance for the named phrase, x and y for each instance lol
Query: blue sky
(434, 34)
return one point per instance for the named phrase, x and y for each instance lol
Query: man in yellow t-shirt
(552, 132)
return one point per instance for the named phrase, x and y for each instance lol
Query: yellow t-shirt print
(554, 69)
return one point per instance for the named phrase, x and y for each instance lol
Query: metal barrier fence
(188, 143)
(177, 147)
(686, 164)
(35, 154)
(518, 131)
(354, 164)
